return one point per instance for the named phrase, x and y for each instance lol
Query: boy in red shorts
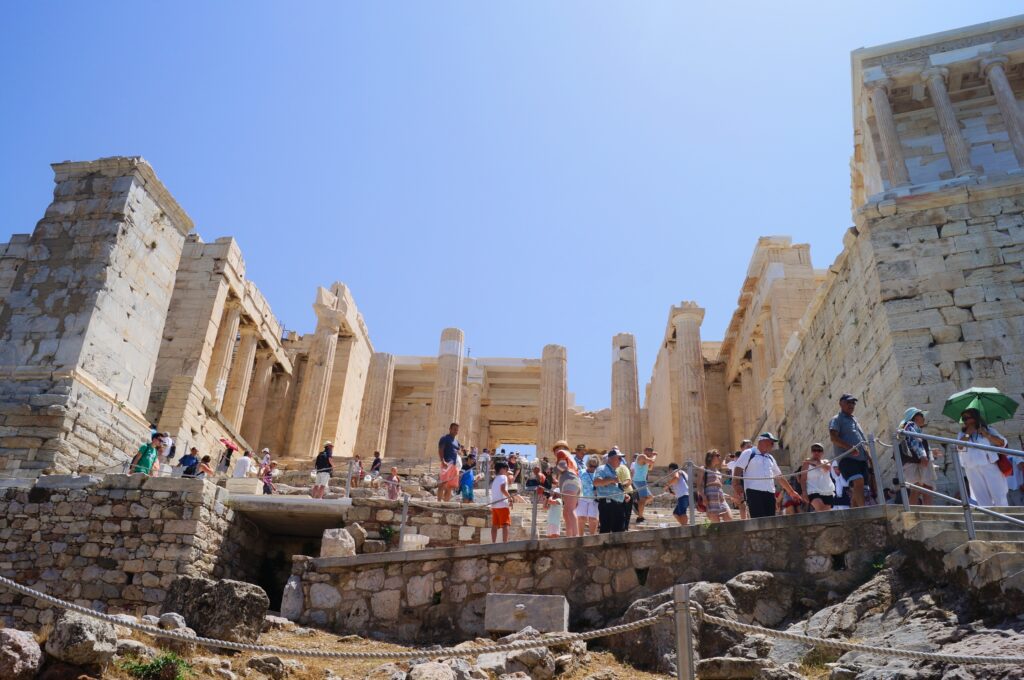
(501, 503)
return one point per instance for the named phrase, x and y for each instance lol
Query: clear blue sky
(529, 172)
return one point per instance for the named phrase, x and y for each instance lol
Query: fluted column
(444, 407)
(891, 146)
(256, 404)
(625, 393)
(309, 413)
(220, 361)
(240, 376)
(749, 401)
(375, 412)
(956, 146)
(554, 398)
(1007, 103)
(474, 394)
(686, 319)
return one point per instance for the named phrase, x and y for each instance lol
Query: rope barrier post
(533, 520)
(684, 632)
(693, 492)
(904, 498)
(875, 464)
(348, 478)
(405, 517)
(965, 500)
(487, 482)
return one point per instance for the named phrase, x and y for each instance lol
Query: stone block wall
(116, 543)
(438, 595)
(447, 524)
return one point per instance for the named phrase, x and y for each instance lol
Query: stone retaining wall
(447, 524)
(116, 543)
(438, 594)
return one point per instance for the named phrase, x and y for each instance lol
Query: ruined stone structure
(113, 314)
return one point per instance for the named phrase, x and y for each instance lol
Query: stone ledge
(834, 517)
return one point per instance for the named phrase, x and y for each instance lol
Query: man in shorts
(586, 509)
(324, 467)
(680, 486)
(737, 487)
(758, 471)
(846, 434)
(501, 503)
(918, 468)
(448, 448)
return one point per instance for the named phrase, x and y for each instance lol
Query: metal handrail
(964, 501)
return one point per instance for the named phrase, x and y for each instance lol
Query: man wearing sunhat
(610, 496)
(758, 471)
(845, 433)
(916, 458)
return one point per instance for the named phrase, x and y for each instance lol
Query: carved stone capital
(940, 72)
(994, 60)
(687, 311)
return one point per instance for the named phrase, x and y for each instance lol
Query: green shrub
(167, 666)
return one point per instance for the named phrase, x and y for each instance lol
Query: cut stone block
(505, 612)
(245, 485)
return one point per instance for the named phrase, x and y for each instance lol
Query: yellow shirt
(622, 472)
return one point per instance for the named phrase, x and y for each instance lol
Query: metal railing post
(899, 470)
(691, 482)
(965, 500)
(875, 464)
(348, 478)
(405, 517)
(684, 632)
(487, 483)
(533, 520)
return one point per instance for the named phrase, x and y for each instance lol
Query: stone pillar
(686, 319)
(956, 146)
(1007, 102)
(309, 413)
(240, 377)
(749, 400)
(625, 394)
(220, 362)
(554, 399)
(891, 146)
(376, 408)
(256, 404)
(444, 406)
(472, 407)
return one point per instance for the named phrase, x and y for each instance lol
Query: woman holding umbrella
(978, 407)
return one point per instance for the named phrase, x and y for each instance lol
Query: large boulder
(432, 670)
(82, 641)
(20, 655)
(761, 597)
(223, 610)
(337, 543)
(292, 599)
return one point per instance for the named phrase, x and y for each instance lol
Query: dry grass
(316, 669)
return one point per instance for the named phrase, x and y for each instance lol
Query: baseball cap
(817, 446)
(848, 397)
(767, 436)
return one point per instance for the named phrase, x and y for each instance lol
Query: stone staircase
(993, 562)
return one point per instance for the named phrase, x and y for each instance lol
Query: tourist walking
(713, 489)
(737, 487)
(610, 495)
(988, 484)
(553, 505)
(357, 471)
(917, 457)
(586, 509)
(393, 484)
(147, 455)
(375, 466)
(846, 433)
(569, 485)
(467, 479)
(641, 468)
(679, 484)
(816, 480)
(626, 483)
(188, 465)
(267, 476)
(758, 472)
(1015, 483)
(205, 469)
(501, 503)
(244, 466)
(324, 468)
(266, 457)
(580, 456)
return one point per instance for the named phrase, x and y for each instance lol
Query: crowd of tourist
(585, 493)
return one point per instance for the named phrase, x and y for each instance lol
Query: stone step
(972, 553)
(946, 540)
(996, 568)
(948, 510)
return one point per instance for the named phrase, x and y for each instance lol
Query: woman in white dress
(988, 485)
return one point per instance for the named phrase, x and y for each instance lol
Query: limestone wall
(116, 544)
(438, 595)
(446, 524)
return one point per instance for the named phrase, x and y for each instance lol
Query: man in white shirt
(243, 466)
(1016, 483)
(736, 487)
(758, 472)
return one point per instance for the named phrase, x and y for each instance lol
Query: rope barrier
(449, 652)
(853, 646)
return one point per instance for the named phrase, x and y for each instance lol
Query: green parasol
(993, 405)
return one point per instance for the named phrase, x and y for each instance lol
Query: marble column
(303, 441)
(375, 411)
(686, 319)
(444, 406)
(240, 376)
(220, 360)
(749, 402)
(554, 399)
(994, 68)
(625, 394)
(256, 404)
(956, 146)
(473, 406)
(890, 139)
